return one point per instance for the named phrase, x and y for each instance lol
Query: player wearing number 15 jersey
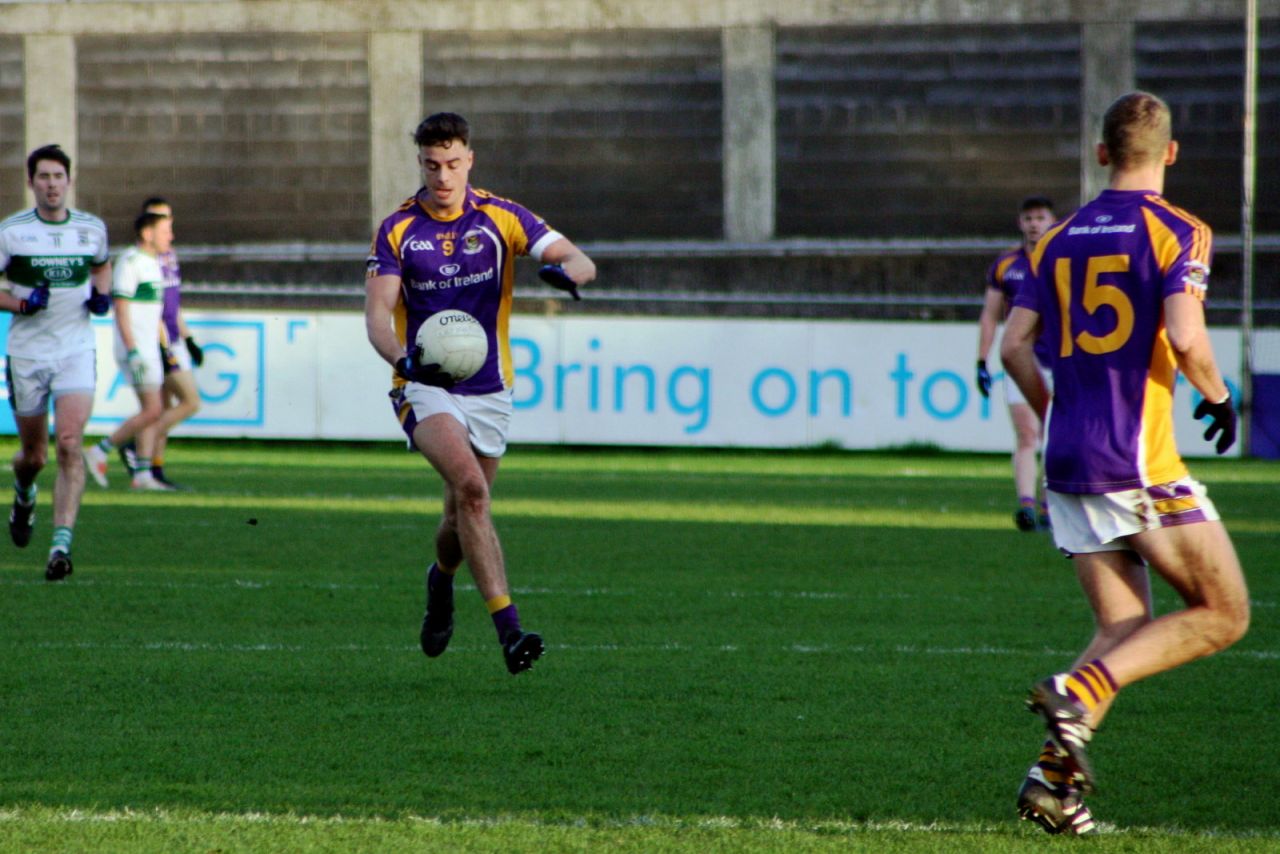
(1118, 290)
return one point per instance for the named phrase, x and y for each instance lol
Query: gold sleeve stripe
(1164, 243)
(509, 227)
(396, 235)
(1003, 266)
(1202, 235)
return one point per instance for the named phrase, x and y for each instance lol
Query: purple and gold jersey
(1007, 275)
(172, 295)
(466, 263)
(1099, 281)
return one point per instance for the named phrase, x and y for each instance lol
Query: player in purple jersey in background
(452, 246)
(1118, 289)
(1004, 277)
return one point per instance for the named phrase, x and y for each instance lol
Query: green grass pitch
(747, 651)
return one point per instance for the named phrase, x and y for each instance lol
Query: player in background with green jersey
(57, 272)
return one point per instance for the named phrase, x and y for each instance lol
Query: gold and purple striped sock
(1091, 684)
(1050, 764)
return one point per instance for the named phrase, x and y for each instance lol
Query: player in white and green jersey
(138, 294)
(57, 271)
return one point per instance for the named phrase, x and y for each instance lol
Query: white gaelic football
(455, 341)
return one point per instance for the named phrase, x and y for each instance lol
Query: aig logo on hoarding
(231, 382)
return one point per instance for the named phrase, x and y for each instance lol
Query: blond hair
(1136, 129)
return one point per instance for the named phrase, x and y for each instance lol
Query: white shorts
(179, 358)
(152, 366)
(487, 417)
(1083, 524)
(34, 382)
(1013, 394)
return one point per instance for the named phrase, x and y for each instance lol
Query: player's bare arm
(575, 262)
(1184, 321)
(1020, 333)
(9, 302)
(100, 278)
(381, 293)
(989, 320)
(121, 306)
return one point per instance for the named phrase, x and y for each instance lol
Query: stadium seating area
(901, 153)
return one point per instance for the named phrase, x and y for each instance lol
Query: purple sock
(439, 582)
(506, 621)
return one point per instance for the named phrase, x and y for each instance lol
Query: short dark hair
(146, 220)
(47, 152)
(1031, 203)
(1136, 129)
(441, 129)
(154, 201)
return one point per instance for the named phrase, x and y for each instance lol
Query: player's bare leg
(1026, 465)
(1200, 563)
(468, 476)
(1118, 588)
(72, 413)
(437, 622)
(180, 400)
(443, 441)
(28, 461)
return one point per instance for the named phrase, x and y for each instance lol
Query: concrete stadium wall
(12, 124)
(288, 120)
(746, 124)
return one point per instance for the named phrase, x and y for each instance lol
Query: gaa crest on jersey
(471, 242)
(371, 267)
(83, 238)
(1196, 276)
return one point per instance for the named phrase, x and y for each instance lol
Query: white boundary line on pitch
(51, 815)
(795, 648)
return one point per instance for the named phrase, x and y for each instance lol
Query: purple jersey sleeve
(386, 252)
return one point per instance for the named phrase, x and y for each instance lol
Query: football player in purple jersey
(453, 246)
(1004, 277)
(1118, 290)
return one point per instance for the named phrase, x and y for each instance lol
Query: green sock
(61, 540)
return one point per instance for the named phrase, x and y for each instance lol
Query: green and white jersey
(137, 277)
(61, 255)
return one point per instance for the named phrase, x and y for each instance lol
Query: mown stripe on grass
(38, 814)
(666, 646)
(943, 518)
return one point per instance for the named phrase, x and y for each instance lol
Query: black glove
(98, 303)
(37, 300)
(1223, 421)
(409, 368)
(197, 354)
(984, 378)
(555, 276)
